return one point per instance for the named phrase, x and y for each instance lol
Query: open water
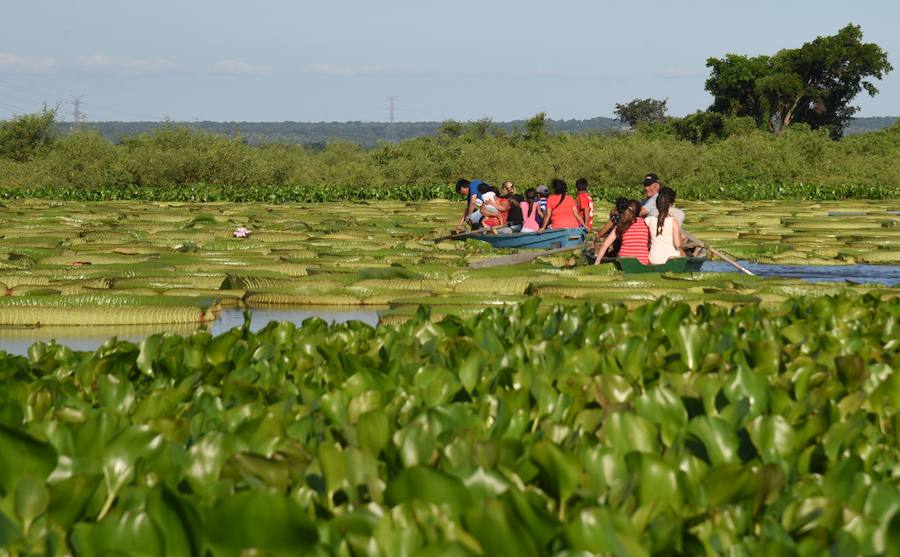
(17, 341)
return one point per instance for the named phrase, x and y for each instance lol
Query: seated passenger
(511, 202)
(542, 192)
(490, 207)
(614, 215)
(665, 232)
(673, 210)
(585, 203)
(634, 234)
(530, 211)
(562, 211)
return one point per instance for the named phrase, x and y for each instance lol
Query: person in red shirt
(634, 233)
(561, 209)
(584, 203)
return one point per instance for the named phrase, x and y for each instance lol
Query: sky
(339, 60)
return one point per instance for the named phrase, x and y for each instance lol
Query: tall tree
(641, 111)
(814, 84)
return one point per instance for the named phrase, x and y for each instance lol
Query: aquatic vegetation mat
(375, 253)
(536, 429)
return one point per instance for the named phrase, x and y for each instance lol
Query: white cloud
(126, 65)
(238, 67)
(17, 62)
(348, 71)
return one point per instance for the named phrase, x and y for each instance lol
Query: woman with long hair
(562, 211)
(530, 211)
(634, 234)
(665, 236)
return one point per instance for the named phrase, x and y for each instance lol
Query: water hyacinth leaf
(206, 458)
(128, 533)
(663, 408)
(149, 352)
(417, 442)
(720, 442)
(499, 531)
(604, 531)
(772, 436)
(31, 501)
(121, 457)
(561, 468)
(179, 523)
(22, 455)
(373, 431)
(626, 432)
(470, 371)
(278, 525)
(729, 482)
(691, 339)
(69, 498)
(429, 485)
(116, 393)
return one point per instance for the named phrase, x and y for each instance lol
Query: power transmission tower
(392, 118)
(77, 115)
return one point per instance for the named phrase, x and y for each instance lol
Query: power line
(392, 118)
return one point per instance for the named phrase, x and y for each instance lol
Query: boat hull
(549, 239)
(630, 265)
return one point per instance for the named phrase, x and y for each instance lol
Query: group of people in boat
(649, 230)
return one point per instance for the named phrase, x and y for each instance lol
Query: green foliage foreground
(533, 430)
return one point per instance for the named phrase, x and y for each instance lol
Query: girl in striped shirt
(634, 233)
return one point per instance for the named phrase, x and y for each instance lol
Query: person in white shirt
(665, 230)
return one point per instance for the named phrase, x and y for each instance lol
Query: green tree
(27, 135)
(641, 112)
(536, 127)
(814, 84)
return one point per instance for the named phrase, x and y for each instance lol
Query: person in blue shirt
(472, 215)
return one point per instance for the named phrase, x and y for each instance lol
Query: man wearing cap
(651, 193)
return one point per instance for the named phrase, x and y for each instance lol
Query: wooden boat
(549, 239)
(630, 265)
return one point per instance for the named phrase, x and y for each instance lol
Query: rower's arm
(606, 243)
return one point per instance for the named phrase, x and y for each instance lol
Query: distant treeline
(737, 161)
(369, 134)
(317, 134)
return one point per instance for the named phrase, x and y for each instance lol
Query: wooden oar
(517, 258)
(459, 236)
(716, 252)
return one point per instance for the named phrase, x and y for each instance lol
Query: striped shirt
(634, 242)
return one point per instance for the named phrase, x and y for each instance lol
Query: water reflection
(17, 340)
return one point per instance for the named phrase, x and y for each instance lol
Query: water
(888, 275)
(17, 341)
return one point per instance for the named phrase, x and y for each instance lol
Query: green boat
(630, 265)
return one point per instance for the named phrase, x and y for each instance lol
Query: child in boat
(543, 192)
(530, 211)
(584, 203)
(562, 211)
(490, 207)
(634, 234)
(665, 231)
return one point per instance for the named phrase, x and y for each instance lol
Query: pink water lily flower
(241, 232)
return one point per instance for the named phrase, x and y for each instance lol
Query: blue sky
(339, 60)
